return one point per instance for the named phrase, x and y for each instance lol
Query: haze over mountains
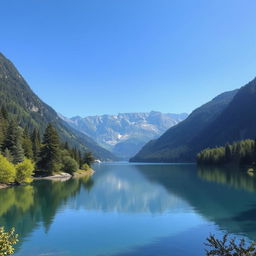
(125, 134)
(229, 117)
(30, 111)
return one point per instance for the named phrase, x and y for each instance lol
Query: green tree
(8, 155)
(85, 167)
(50, 151)
(3, 126)
(13, 142)
(69, 165)
(88, 158)
(228, 153)
(7, 170)
(27, 144)
(7, 240)
(36, 144)
(24, 171)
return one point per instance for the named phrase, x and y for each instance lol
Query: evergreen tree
(50, 151)
(88, 158)
(3, 126)
(36, 144)
(27, 144)
(8, 155)
(228, 153)
(13, 142)
(4, 113)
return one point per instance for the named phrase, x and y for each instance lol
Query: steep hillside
(236, 122)
(124, 134)
(29, 110)
(179, 143)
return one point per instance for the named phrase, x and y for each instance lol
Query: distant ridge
(125, 133)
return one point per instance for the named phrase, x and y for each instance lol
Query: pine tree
(13, 142)
(27, 144)
(36, 144)
(88, 158)
(228, 154)
(3, 126)
(4, 113)
(8, 155)
(50, 151)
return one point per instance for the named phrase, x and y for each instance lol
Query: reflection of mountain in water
(121, 188)
(226, 203)
(225, 198)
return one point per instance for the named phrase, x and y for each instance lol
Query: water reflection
(230, 176)
(24, 207)
(123, 189)
(224, 196)
(131, 210)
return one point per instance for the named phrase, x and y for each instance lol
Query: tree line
(25, 152)
(240, 153)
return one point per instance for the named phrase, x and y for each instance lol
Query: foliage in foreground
(7, 240)
(226, 247)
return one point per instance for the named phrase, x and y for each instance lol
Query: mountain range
(30, 111)
(124, 134)
(229, 117)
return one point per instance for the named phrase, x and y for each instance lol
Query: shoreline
(63, 176)
(82, 173)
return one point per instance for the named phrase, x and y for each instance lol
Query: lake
(131, 209)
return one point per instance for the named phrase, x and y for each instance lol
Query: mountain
(23, 105)
(181, 142)
(236, 122)
(124, 134)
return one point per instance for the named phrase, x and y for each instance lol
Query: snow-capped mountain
(125, 134)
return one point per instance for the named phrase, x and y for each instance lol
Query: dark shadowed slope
(178, 144)
(236, 122)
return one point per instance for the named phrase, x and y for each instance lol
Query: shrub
(7, 170)
(225, 247)
(69, 165)
(85, 167)
(24, 171)
(7, 240)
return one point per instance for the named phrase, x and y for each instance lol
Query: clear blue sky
(107, 56)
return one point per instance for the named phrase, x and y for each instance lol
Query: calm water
(131, 210)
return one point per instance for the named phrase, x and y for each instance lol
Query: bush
(7, 240)
(225, 247)
(24, 171)
(85, 167)
(69, 165)
(7, 170)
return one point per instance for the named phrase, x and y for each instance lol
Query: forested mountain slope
(24, 106)
(181, 142)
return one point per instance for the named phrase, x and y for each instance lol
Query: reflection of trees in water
(21, 198)
(233, 177)
(24, 207)
(230, 207)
